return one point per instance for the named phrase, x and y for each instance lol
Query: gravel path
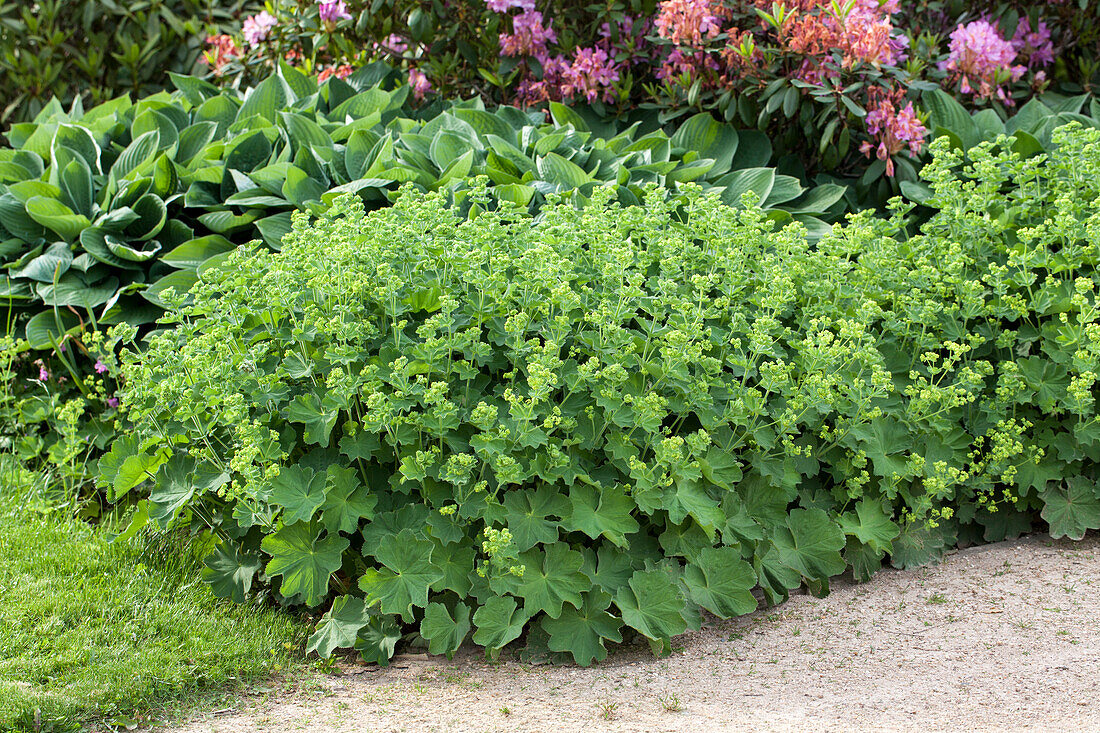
(999, 637)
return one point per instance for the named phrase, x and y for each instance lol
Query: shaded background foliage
(96, 50)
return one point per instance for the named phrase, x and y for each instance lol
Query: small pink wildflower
(256, 28)
(112, 402)
(100, 367)
(43, 372)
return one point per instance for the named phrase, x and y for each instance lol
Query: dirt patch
(998, 637)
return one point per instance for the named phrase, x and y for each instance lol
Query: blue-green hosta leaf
(581, 632)
(14, 218)
(551, 577)
(340, 626)
(597, 513)
(57, 217)
(300, 492)
(652, 605)
(72, 289)
(406, 574)
(266, 99)
(347, 500)
(736, 184)
(46, 329)
(817, 200)
(75, 182)
(529, 516)
(181, 282)
(136, 153)
(48, 266)
(721, 582)
(229, 572)
(304, 560)
(444, 630)
(563, 173)
(498, 622)
(191, 254)
(378, 640)
(78, 140)
(1072, 509)
(151, 216)
(709, 138)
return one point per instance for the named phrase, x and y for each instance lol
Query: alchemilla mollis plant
(465, 422)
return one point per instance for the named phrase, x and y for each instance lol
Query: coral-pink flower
(332, 11)
(256, 27)
(220, 51)
(690, 22)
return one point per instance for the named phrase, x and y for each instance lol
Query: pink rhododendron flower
(529, 36)
(503, 6)
(979, 56)
(1034, 45)
(256, 27)
(894, 130)
(685, 61)
(221, 50)
(591, 75)
(419, 83)
(332, 11)
(340, 72)
(690, 22)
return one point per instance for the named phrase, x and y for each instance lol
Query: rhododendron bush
(837, 84)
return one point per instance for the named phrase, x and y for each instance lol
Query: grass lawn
(91, 630)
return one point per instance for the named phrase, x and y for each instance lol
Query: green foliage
(102, 212)
(92, 629)
(95, 50)
(607, 418)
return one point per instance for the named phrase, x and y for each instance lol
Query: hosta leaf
(46, 329)
(757, 180)
(709, 138)
(57, 217)
(555, 169)
(229, 571)
(300, 492)
(498, 622)
(193, 253)
(597, 513)
(652, 605)
(581, 632)
(340, 626)
(48, 266)
(347, 501)
(378, 640)
(1072, 509)
(405, 576)
(444, 630)
(304, 560)
(721, 582)
(551, 577)
(138, 152)
(529, 516)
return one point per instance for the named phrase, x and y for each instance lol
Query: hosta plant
(102, 210)
(608, 420)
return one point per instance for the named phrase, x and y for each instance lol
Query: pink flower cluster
(894, 130)
(529, 37)
(592, 75)
(256, 27)
(418, 82)
(982, 60)
(333, 11)
(1034, 45)
(220, 51)
(503, 6)
(690, 22)
(340, 72)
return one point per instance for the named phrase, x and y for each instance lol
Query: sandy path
(999, 637)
